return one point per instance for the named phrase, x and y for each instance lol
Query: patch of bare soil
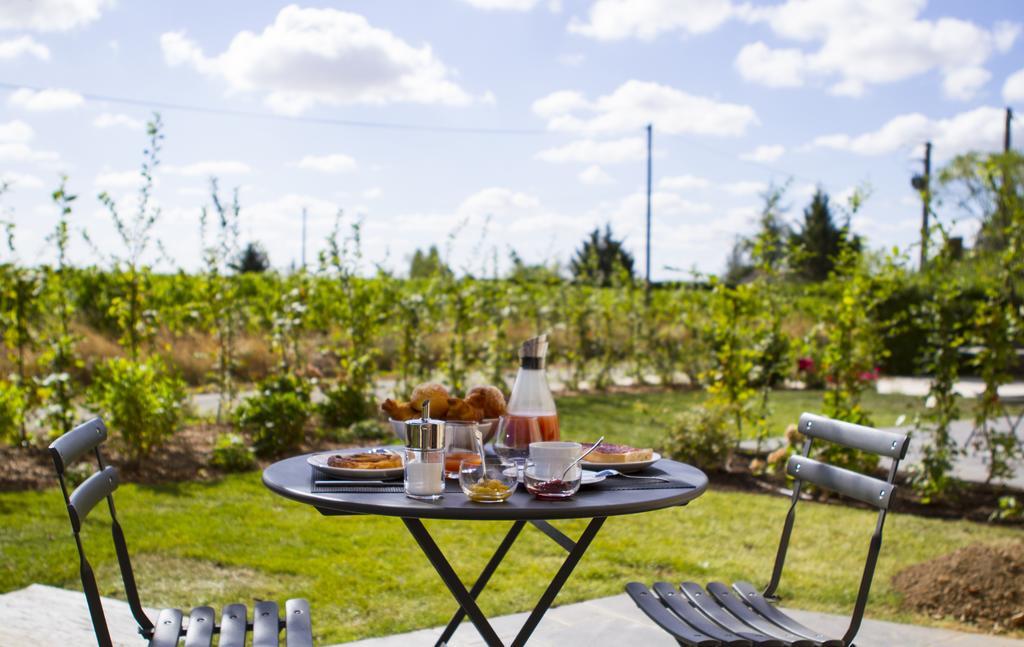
(980, 584)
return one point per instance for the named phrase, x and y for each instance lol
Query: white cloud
(503, 5)
(21, 180)
(589, 151)
(634, 104)
(865, 43)
(112, 120)
(21, 152)
(50, 15)
(334, 163)
(964, 83)
(16, 131)
(110, 180)
(1013, 88)
(23, 46)
(646, 19)
(776, 68)
(978, 129)
(766, 153)
(372, 193)
(308, 57)
(683, 182)
(594, 175)
(745, 188)
(44, 100)
(209, 167)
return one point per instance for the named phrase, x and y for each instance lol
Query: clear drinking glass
(459, 444)
(512, 441)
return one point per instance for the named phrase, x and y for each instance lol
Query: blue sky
(839, 93)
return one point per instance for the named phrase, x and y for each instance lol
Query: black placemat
(614, 483)
(393, 486)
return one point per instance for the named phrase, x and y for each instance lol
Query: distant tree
(601, 259)
(253, 259)
(816, 246)
(427, 264)
(988, 186)
(766, 248)
(536, 273)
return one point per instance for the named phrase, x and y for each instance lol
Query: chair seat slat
(712, 609)
(266, 627)
(681, 606)
(753, 598)
(298, 626)
(200, 627)
(168, 629)
(724, 596)
(656, 611)
(232, 626)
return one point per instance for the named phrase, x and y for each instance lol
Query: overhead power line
(324, 121)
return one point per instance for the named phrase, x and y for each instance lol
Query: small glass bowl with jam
(552, 485)
(492, 483)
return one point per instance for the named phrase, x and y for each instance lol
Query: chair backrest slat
(72, 445)
(885, 443)
(866, 489)
(85, 497)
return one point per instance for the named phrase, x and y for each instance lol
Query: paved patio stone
(45, 616)
(616, 621)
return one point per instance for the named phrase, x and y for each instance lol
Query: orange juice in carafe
(531, 396)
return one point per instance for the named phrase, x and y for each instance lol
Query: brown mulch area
(186, 457)
(980, 584)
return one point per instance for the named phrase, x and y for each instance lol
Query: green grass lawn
(233, 540)
(631, 417)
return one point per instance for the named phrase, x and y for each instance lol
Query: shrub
(700, 437)
(142, 403)
(345, 405)
(11, 407)
(276, 416)
(231, 454)
(364, 430)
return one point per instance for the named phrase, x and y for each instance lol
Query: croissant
(488, 398)
(399, 410)
(459, 409)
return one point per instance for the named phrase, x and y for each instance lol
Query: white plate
(588, 477)
(635, 466)
(319, 461)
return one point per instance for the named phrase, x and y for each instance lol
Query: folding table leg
(559, 581)
(452, 581)
(481, 581)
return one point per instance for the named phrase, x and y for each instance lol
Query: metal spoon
(582, 456)
(480, 444)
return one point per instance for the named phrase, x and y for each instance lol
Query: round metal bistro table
(295, 479)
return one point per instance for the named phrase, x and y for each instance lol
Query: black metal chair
(742, 616)
(170, 625)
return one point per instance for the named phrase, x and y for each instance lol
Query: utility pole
(647, 288)
(303, 238)
(1006, 131)
(923, 183)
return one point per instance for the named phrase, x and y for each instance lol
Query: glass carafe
(531, 413)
